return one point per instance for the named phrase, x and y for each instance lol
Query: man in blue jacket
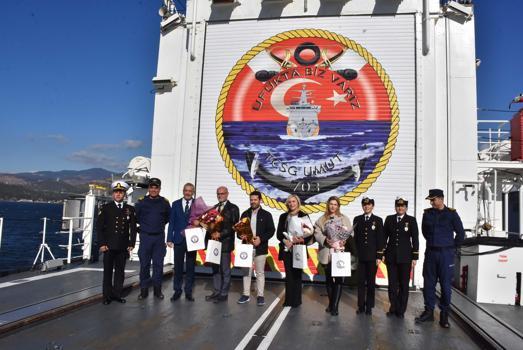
(178, 221)
(438, 226)
(152, 214)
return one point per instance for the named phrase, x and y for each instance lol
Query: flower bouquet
(211, 220)
(243, 228)
(337, 233)
(297, 227)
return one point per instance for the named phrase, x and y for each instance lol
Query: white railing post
(1, 229)
(43, 237)
(70, 244)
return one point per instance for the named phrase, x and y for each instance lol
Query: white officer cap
(119, 185)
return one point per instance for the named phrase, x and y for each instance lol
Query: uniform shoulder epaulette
(427, 209)
(167, 200)
(451, 209)
(141, 198)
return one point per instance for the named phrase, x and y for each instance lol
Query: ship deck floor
(202, 325)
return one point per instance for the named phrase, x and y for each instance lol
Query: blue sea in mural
(338, 146)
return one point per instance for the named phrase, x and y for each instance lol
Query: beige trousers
(259, 267)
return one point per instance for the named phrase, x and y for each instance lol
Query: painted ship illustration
(303, 117)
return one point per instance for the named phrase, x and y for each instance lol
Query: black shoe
(328, 309)
(212, 296)
(189, 297)
(400, 315)
(444, 319)
(176, 296)
(106, 301)
(144, 293)
(360, 311)
(158, 292)
(120, 300)
(390, 313)
(368, 311)
(220, 299)
(427, 315)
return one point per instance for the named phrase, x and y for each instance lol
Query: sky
(75, 78)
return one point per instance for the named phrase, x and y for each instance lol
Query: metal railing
(494, 139)
(70, 243)
(43, 246)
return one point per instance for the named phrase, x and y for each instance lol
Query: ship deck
(63, 309)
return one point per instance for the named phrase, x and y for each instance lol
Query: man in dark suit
(262, 226)
(368, 234)
(178, 222)
(116, 229)
(222, 273)
(401, 254)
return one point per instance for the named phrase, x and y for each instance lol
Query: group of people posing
(394, 242)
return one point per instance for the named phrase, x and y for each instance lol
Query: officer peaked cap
(434, 193)
(400, 202)
(119, 185)
(367, 200)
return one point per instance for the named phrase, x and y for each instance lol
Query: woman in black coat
(288, 237)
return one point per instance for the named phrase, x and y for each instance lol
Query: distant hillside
(51, 185)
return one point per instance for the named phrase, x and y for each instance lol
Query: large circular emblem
(340, 264)
(243, 255)
(308, 112)
(215, 252)
(194, 239)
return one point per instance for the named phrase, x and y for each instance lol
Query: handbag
(243, 255)
(340, 264)
(213, 252)
(195, 239)
(299, 256)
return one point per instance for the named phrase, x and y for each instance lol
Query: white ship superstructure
(303, 117)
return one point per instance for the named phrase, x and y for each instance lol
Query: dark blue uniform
(438, 227)
(152, 214)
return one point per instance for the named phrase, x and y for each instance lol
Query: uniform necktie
(366, 218)
(119, 205)
(399, 218)
(220, 207)
(186, 207)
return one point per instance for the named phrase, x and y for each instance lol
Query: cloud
(92, 157)
(57, 138)
(105, 154)
(125, 144)
(132, 144)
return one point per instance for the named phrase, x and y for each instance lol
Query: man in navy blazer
(178, 222)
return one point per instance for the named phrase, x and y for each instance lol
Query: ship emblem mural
(309, 112)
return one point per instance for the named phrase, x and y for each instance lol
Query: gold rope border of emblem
(308, 33)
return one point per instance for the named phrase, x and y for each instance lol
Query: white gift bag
(340, 264)
(299, 256)
(195, 238)
(243, 255)
(213, 252)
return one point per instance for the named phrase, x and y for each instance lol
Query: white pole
(43, 239)
(193, 33)
(70, 244)
(520, 209)
(495, 201)
(505, 216)
(1, 228)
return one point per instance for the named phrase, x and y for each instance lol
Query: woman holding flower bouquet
(331, 232)
(294, 228)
